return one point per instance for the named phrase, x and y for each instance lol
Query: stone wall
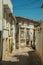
(39, 41)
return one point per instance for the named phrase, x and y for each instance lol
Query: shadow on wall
(31, 59)
(8, 63)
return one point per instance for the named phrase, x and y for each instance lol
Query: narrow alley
(21, 32)
(23, 56)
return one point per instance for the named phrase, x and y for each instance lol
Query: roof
(26, 20)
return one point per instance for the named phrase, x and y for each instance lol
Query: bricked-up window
(4, 13)
(5, 18)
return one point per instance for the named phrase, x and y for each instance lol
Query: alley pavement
(23, 56)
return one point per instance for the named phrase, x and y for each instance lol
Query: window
(22, 33)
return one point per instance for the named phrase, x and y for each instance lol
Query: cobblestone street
(23, 56)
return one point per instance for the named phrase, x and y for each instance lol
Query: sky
(30, 9)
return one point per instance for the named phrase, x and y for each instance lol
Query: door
(0, 45)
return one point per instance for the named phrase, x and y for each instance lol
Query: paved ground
(24, 56)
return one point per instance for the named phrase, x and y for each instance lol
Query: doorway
(0, 45)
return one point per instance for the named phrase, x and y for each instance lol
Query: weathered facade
(26, 32)
(7, 23)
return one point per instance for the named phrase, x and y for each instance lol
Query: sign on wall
(5, 33)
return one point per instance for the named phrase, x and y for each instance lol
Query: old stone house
(25, 32)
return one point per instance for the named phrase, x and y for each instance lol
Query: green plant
(12, 47)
